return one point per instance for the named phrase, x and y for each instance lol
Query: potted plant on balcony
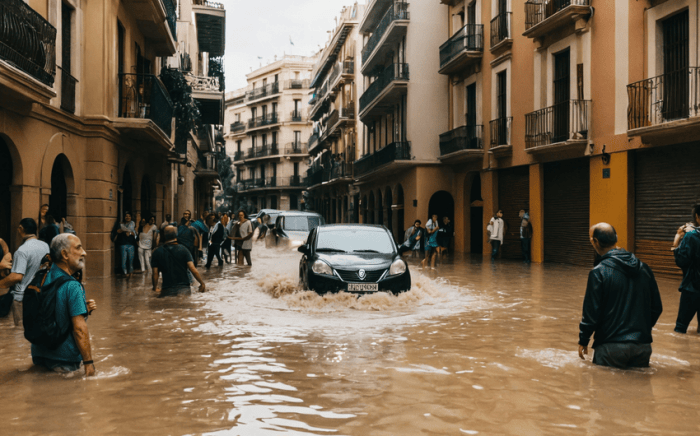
(185, 108)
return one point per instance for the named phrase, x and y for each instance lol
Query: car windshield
(301, 223)
(355, 240)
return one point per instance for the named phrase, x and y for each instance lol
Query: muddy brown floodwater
(476, 348)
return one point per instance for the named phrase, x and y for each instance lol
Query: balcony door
(501, 107)
(562, 90)
(676, 64)
(503, 20)
(471, 116)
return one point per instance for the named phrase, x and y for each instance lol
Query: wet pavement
(474, 348)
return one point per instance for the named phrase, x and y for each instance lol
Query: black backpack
(39, 311)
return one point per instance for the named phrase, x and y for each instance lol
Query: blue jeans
(496, 244)
(128, 253)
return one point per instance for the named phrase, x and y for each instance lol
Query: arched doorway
(400, 224)
(442, 205)
(370, 206)
(146, 211)
(389, 213)
(6, 174)
(476, 216)
(380, 209)
(58, 200)
(126, 204)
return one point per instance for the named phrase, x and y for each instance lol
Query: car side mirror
(303, 249)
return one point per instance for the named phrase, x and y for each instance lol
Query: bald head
(169, 234)
(603, 236)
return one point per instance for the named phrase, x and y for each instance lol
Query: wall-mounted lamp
(605, 156)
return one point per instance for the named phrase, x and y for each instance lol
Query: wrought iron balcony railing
(390, 153)
(237, 127)
(27, 41)
(297, 116)
(664, 98)
(391, 73)
(537, 11)
(68, 83)
(298, 84)
(500, 131)
(145, 96)
(397, 11)
(462, 138)
(500, 28)
(296, 148)
(263, 121)
(313, 140)
(239, 155)
(267, 150)
(468, 38)
(203, 83)
(264, 91)
(567, 121)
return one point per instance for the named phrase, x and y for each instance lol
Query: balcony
(314, 174)
(259, 184)
(143, 100)
(665, 109)
(396, 151)
(386, 90)
(157, 21)
(265, 121)
(211, 26)
(264, 92)
(462, 144)
(464, 48)
(236, 101)
(388, 32)
(545, 16)
(296, 148)
(207, 92)
(336, 119)
(237, 127)
(208, 167)
(68, 83)
(500, 32)
(27, 53)
(500, 144)
(562, 127)
(297, 116)
(313, 142)
(297, 84)
(239, 156)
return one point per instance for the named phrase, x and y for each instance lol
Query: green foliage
(216, 69)
(186, 109)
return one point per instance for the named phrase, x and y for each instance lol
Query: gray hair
(58, 244)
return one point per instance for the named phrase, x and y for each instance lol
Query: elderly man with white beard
(72, 310)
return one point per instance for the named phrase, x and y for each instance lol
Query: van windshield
(301, 223)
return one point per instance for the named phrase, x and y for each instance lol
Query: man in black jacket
(686, 250)
(216, 237)
(621, 306)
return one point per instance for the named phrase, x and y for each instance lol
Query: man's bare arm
(155, 278)
(195, 273)
(82, 340)
(11, 280)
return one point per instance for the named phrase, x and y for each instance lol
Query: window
(676, 63)
(274, 109)
(562, 92)
(264, 139)
(297, 138)
(253, 112)
(238, 146)
(252, 141)
(296, 169)
(264, 83)
(264, 112)
(274, 138)
(276, 78)
(238, 118)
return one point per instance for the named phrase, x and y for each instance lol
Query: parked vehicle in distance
(274, 213)
(291, 228)
(357, 258)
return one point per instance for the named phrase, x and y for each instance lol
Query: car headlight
(321, 267)
(397, 268)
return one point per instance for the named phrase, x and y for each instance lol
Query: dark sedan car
(354, 258)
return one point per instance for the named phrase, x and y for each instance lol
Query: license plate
(363, 287)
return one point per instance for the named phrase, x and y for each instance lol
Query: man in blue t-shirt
(72, 310)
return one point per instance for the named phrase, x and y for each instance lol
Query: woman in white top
(245, 230)
(147, 236)
(496, 229)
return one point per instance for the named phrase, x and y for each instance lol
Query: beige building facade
(267, 134)
(86, 126)
(337, 140)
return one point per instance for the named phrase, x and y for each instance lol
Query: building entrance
(6, 174)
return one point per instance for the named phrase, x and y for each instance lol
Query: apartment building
(86, 125)
(403, 109)
(337, 139)
(268, 128)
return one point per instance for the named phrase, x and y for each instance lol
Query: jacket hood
(622, 260)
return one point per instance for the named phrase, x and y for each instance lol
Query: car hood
(356, 261)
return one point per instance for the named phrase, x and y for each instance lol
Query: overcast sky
(263, 28)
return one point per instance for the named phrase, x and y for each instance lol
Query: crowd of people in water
(621, 306)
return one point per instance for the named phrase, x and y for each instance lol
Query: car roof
(298, 213)
(334, 227)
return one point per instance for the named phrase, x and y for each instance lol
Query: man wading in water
(174, 261)
(621, 306)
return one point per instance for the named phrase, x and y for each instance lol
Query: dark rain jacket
(688, 259)
(622, 302)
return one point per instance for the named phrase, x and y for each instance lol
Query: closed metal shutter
(666, 186)
(567, 212)
(513, 196)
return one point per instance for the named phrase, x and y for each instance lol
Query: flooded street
(482, 349)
